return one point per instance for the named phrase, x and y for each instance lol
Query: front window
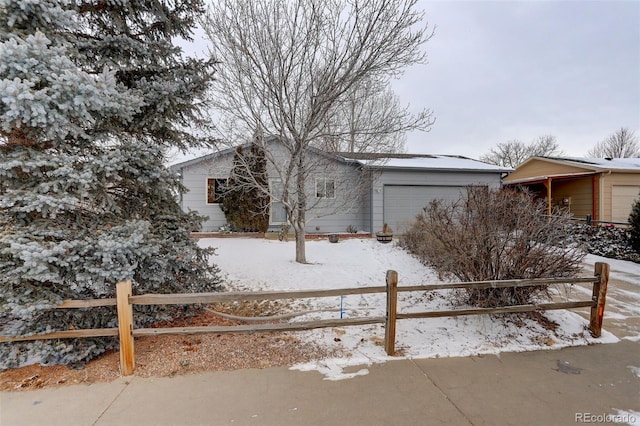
(325, 188)
(215, 190)
(278, 214)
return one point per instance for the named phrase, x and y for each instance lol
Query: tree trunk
(301, 252)
(300, 219)
(17, 137)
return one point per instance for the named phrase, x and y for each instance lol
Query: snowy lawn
(255, 264)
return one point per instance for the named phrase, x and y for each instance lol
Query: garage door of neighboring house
(622, 198)
(402, 203)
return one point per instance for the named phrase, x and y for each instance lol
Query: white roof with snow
(600, 163)
(424, 161)
(443, 162)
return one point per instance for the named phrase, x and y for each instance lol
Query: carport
(575, 192)
(603, 188)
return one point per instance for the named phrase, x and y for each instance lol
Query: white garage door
(402, 203)
(622, 198)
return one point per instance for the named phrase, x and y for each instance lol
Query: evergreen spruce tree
(634, 220)
(92, 94)
(246, 200)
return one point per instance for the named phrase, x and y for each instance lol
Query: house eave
(545, 178)
(435, 163)
(438, 169)
(184, 164)
(584, 163)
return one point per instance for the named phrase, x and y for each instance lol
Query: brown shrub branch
(494, 235)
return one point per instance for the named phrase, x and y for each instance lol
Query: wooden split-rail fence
(125, 300)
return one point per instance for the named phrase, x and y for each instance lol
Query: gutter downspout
(371, 192)
(595, 193)
(601, 205)
(549, 196)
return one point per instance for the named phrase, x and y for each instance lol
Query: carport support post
(392, 308)
(600, 297)
(125, 327)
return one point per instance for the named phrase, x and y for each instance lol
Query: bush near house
(246, 200)
(494, 235)
(611, 242)
(634, 220)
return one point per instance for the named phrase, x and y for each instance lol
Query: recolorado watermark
(606, 418)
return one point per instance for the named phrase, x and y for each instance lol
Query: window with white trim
(325, 188)
(215, 190)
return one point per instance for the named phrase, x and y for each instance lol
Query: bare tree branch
(515, 152)
(495, 235)
(371, 119)
(621, 144)
(287, 69)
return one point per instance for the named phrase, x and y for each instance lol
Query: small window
(325, 188)
(215, 190)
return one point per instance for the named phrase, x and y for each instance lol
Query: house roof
(588, 166)
(424, 161)
(596, 164)
(229, 151)
(383, 161)
(194, 161)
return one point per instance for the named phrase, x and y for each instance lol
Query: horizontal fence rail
(257, 328)
(597, 302)
(124, 301)
(502, 310)
(64, 334)
(232, 296)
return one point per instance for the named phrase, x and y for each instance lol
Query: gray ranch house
(394, 188)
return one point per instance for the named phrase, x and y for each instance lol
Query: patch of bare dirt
(165, 356)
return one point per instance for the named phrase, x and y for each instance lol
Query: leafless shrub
(494, 235)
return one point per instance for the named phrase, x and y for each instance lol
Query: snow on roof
(423, 161)
(388, 161)
(448, 162)
(601, 163)
(206, 157)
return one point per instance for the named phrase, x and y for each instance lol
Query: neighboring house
(599, 187)
(396, 187)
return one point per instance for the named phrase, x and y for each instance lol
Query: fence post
(125, 328)
(392, 309)
(599, 296)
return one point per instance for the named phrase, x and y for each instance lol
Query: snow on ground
(256, 264)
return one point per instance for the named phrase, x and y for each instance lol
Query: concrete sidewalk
(530, 388)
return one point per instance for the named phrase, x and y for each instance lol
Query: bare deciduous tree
(515, 152)
(371, 119)
(621, 144)
(494, 235)
(286, 67)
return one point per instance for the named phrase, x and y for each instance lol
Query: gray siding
(363, 209)
(194, 178)
(346, 209)
(327, 214)
(324, 215)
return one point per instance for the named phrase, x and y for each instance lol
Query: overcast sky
(503, 70)
(507, 70)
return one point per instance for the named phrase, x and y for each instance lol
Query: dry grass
(165, 356)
